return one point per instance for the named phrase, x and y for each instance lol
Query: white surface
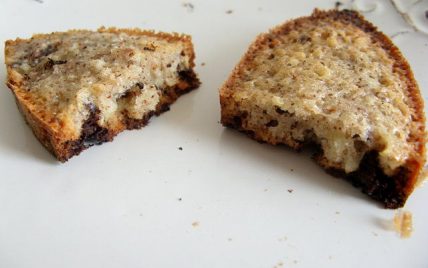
(118, 205)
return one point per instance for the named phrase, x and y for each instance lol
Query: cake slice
(85, 86)
(333, 80)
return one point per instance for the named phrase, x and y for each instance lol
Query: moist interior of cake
(341, 86)
(70, 73)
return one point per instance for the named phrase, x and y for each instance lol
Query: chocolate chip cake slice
(79, 86)
(333, 80)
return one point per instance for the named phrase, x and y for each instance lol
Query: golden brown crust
(402, 183)
(54, 137)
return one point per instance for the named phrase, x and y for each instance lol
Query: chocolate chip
(140, 85)
(272, 123)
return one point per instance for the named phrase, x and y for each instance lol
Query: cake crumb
(292, 169)
(338, 4)
(203, 64)
(141, 215)
(230, 11)
(190, 6)
(290, 190)
(375, 234)
(195, 224)
(180, 148)
(280, 264)
(266, 190)
(230, 239)
(285, 239)
(403, 223)
(337, 212)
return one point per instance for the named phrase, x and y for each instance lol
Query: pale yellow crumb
(403, 223)
(195, 224)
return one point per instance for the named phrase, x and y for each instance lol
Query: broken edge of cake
(79, 86)
(333, 80)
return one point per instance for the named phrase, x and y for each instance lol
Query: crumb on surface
(190, 6)
(180, 148)
(337, 212)
(230, 11)
(290, 190)
(292, 169)
(338, 4)
(230, 239)
(266, 190)
(203, 64)
(403, 223)
(426, 14)
(195, 224)
(179, 199)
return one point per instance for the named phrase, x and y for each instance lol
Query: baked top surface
(342, 78)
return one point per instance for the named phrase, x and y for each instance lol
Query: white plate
(223, 200)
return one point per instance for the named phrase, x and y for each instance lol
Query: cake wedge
(333, 80)
(81, 87)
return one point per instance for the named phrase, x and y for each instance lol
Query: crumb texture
(333, 80)
(403, 223)
(118, 77)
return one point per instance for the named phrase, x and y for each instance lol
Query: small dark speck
(230, 11)
(426, 14)
(203, 64)
(180, 148)
(179, 199)
(290, 190)
(189, 6)
(338, 4)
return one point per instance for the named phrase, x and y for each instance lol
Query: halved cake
(79, 86)
(333, 80)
